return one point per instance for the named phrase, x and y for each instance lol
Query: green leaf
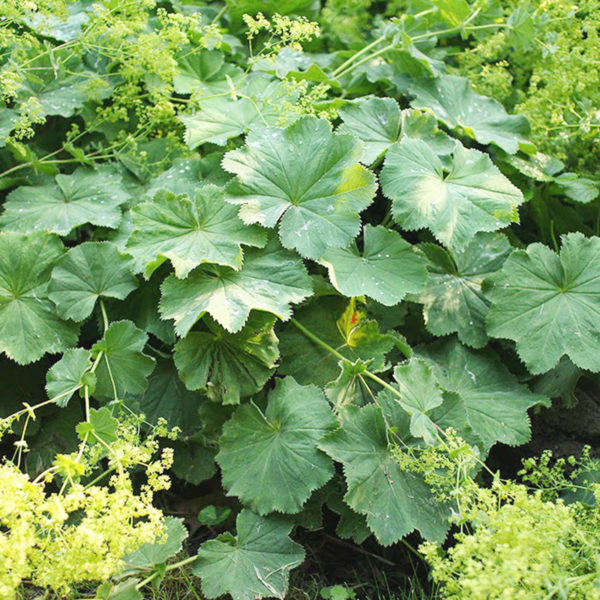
(496, 404)
(237, 8)
(148, 555)
(394, 502)
(349, 387)
(420, 393)
(453, 301)
(219, 119)
(270, 280)
(454, 102)
(227, 115)
(86, 196)
(204, 73)
(167, 397)
(182, 179)
(306, 177)
(337, 592)
(560, 382)
(193, 462)
(124, 590)
(343, 327)
(452, 413)
(60, 28)
(379, 124)
(229, 366)
(387, 270)
(123, 367)
(189, 232)
(102, 426)
(454, 12)
(29, 325)
(271, 461)
(578, 189)
(454, 199)
(58, 84)
(521, 29)
(8, 119)
(142, 308)
(87, 272)
(548, 303)
(70, 372)
(351, 525)
(213, 515)
(255, 564)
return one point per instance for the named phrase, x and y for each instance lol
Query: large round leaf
(254, 564)
(454, 198)
(271, 461)
(305, 176)
(454, 102)
(394, 502)
(379, 124)
(453, 301)
(387, 270)
(86, 273)
(29, 324)
(86, 196)
(189, 232)
(496, 404)
(229, 366)
(549, 303)
(270, 280)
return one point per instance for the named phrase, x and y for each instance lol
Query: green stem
(412, 549)
(310, 335)
(31, 409)
(365, 59)
(219, 14)
(86, 395)
(351, 63)
(382, 383)
(387, 219)
(158, 352)
(104, 315)
(456, 29)
(177, 565)
(101, 476)
(358, 55)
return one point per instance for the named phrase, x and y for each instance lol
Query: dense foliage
(305, 242)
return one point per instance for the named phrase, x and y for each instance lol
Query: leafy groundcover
(296, 238)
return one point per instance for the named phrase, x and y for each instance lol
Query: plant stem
(104, 315)
(310, 335)
(365, 59)
(358, 55)
(177, 565)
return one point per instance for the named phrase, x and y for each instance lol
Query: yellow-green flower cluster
(555, 81)
(514, 542)
(59, 538)
(285, 32)
(139, 39)
(520, 547)
(446, 467)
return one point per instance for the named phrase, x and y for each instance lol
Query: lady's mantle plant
(301, 250)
